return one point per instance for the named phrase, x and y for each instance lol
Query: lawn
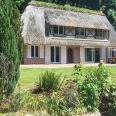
(28, 76)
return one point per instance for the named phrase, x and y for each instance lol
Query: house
(64, 36)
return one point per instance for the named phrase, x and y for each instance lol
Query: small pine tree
(8, 42)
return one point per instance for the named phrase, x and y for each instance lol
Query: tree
(23, 5)
(9, 38)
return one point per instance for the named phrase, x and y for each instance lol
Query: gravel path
(59, 65)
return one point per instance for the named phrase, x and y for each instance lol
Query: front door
(97, 55)
(55, 54)
(70, 55)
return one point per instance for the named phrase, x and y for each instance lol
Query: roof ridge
(65, 7)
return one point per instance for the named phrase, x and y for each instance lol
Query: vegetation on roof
(65, 7)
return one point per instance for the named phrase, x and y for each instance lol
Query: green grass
(65, 7)
(28, 76)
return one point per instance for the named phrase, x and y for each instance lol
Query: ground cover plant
(81, 92)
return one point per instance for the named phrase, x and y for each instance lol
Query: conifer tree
(8, 42)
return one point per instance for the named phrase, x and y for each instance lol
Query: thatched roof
(35, 18)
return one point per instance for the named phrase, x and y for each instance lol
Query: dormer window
(99, 33)
(59, 30)
(80, 31)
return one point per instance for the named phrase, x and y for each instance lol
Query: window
(59, 30)
(34, 51)
(80, 31)
(111, 52)
(105, 34)
(99, 33)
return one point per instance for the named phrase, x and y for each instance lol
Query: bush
(95, 84)
(50, 81)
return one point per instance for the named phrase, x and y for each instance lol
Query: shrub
(89, 92)
(95, 84)
(50, 81)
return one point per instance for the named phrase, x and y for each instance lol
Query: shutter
(47, 54)
(108, 52)
(28, 51)
(103, 54)
(41, 51)
(82, 54)
(63, 54)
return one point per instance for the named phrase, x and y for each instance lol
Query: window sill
(59, 35)
(34, 57)
(80, 36)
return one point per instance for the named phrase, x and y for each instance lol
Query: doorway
(92, 55)
(89, 54)
(97, 55)
(70, 55)
(55, 54)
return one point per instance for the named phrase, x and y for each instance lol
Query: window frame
(80, 31)
(59, 30)
(35, 51)
(99, 36)
(112, 51)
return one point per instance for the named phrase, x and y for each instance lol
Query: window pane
(100, 33)
(60, 29)
(112, 52)
(77, 31)
(36, 51)
(52, 53)
(96, 33)
(57, 54)
(56, 29)
(82, 31)
(32, 51)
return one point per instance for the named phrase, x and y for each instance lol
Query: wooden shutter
(63, 54)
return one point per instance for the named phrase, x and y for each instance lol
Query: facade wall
(110, 57)
(76, 53)
(34, 61)
(27, 56)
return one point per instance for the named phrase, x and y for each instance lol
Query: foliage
(8, 42)
(15, 101)
(23, 5)
(66, 7)
(55, 104)
(89, 92)
(32, 102)
(4, 68)
(50, 81)
(65, 102)
(18, 2)
(16, 27)
(78, 68)
(98, 89)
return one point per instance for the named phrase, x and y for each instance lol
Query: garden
(62, 92)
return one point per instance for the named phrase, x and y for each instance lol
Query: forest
(108, 6)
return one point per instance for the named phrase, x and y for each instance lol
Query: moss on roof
(65, 7)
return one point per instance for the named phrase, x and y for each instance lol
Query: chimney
(100, 10)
